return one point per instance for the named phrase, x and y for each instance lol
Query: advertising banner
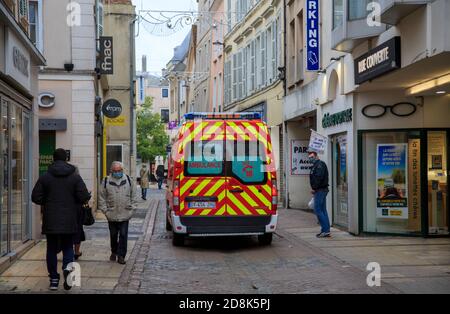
(318, 142)
(300, 164)
(392, 181)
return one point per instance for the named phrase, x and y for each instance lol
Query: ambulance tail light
(274, 195)
(176, 196)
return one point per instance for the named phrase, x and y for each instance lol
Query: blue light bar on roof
(223, 116)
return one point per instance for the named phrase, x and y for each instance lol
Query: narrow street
(296, 262)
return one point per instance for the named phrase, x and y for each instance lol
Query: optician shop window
(391, 182)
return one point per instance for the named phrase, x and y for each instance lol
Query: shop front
(18, 76)
(404, 181)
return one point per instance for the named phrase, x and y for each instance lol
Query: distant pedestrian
(145, 176)
(60, 191)
(319, 184)
(159, 174)
(117, 200)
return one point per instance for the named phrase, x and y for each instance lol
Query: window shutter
(263, 58)
(275, 35)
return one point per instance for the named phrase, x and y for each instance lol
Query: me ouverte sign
(378, 61)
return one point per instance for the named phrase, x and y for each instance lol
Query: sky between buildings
(159, 49)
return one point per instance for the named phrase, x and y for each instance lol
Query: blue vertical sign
(312, 36)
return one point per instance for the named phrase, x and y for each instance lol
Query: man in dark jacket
(319, 184)
(60, 191)
(160, 175)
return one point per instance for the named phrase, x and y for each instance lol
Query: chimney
(144, 63)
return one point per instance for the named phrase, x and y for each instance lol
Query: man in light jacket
(117, 200)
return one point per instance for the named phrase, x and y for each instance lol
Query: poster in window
(392, 187)
(300, 164)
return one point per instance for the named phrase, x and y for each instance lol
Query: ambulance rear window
(247, 160)
(204, 158)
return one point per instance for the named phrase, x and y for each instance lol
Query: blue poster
(312, 36)
(392, 181)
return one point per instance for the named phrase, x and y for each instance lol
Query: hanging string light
(166, 23)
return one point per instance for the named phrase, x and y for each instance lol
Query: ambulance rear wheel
(265, 239)
(178, 239)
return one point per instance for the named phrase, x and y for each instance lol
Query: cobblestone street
(296, 262)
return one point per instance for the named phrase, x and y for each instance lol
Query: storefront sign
(112, 108)
(17, 64)
(106, 55)
(318, 142)
(312, 35)
(392, 187)
(119, 121)
(378, 61)
(300, 164)
(46, 100)
(414, 185)
(337, 118)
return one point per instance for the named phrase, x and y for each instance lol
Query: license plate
(201, 205)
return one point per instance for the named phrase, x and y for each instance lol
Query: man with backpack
(117, 200)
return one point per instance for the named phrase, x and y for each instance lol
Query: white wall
(299, 189)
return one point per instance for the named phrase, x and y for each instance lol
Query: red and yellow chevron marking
(254, 200)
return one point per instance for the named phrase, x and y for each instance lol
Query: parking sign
(312, 36)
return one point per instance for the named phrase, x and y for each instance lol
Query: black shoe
(54, 283)
(324, 235)
(66, 284)
(121, 260)
(113, 257)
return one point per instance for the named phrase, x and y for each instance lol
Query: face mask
(312, 159)
(117, 175)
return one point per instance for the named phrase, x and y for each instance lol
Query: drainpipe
(132, 104)
(284, 129)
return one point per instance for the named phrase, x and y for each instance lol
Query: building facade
(382, 101)
(67, 88)
(120, 132)
(253, 55)
(204, 48)
(216, 73)
(20, 59)
(179, 82)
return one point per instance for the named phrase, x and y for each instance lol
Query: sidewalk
(99, 275)
(410, 264)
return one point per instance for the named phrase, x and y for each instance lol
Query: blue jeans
(160, 182)
(320, 209)
(118, 232)
(55, 244)
(144, 193)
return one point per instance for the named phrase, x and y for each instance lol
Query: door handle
(236, 191)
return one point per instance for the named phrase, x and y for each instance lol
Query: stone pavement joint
(130, 279)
